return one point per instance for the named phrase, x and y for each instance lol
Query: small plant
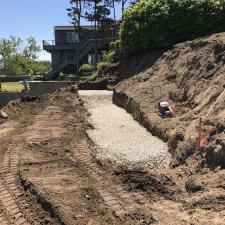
(108, 56)
(102, 65)
(93, 76)
(61, 76)
(85, 69)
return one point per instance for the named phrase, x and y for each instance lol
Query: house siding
(61, 48)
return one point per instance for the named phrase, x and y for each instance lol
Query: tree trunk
(95, 25)
(114, 10)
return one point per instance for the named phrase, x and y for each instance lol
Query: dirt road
(118, 137)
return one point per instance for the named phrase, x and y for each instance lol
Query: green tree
(8, 47)
(21, 60)
(31, 49)
(75, 12)
(18, 64)
(94, 11)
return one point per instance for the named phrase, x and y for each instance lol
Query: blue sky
(35, 18)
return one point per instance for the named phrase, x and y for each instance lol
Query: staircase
(85, 49)
(59, 66)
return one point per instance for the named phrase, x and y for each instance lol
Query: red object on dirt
(164, 110)
(203, 141)
(171, 110)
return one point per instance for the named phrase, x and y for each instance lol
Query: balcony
(52, 45)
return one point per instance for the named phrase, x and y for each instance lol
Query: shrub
(102, 65)
(86, 68)
(152, 24)
(94, 76)
(108, 56)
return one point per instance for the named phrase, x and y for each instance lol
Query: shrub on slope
(153, 24)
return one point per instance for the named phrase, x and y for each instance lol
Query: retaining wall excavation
(118, 137)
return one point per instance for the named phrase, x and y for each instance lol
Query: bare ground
(191, 78)
(50, 175)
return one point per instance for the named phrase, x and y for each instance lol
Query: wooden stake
(200, 132)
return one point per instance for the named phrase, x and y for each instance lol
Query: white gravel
(118, 137)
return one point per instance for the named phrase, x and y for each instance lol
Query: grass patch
(12, 86)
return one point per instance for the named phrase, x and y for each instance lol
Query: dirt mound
(191, 76)
(146, 181)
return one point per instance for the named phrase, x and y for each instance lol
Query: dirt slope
(192, 79)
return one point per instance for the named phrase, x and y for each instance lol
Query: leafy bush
(86, 68)
(152, 24)
(108, 56)
(94, 76)
(102, 65)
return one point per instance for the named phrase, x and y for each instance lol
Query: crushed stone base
(118, 137)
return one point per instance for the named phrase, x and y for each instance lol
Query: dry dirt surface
(49, 174)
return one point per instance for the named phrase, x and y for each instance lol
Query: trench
(117, 137)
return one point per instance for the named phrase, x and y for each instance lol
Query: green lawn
(12, 86)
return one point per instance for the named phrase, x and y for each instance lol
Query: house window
(72, 37)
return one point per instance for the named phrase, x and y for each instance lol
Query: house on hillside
(70, 49)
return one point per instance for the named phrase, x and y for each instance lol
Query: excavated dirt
(191, 78)
(50, 175)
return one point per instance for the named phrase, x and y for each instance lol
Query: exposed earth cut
(191, 77)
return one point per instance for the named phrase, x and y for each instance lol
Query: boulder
(3, 114)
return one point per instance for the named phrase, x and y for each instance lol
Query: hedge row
(153, 24)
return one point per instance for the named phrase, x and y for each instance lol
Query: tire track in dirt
(3, 221)
(10, 194)
(16, 205)
(115, 196)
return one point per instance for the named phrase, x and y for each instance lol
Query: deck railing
(78, 45)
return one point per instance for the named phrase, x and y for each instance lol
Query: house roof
(71, 28)
(85, 27)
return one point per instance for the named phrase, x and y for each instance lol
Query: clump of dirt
(191, 78)
(146, 181)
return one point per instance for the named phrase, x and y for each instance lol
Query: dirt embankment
(191, 77)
